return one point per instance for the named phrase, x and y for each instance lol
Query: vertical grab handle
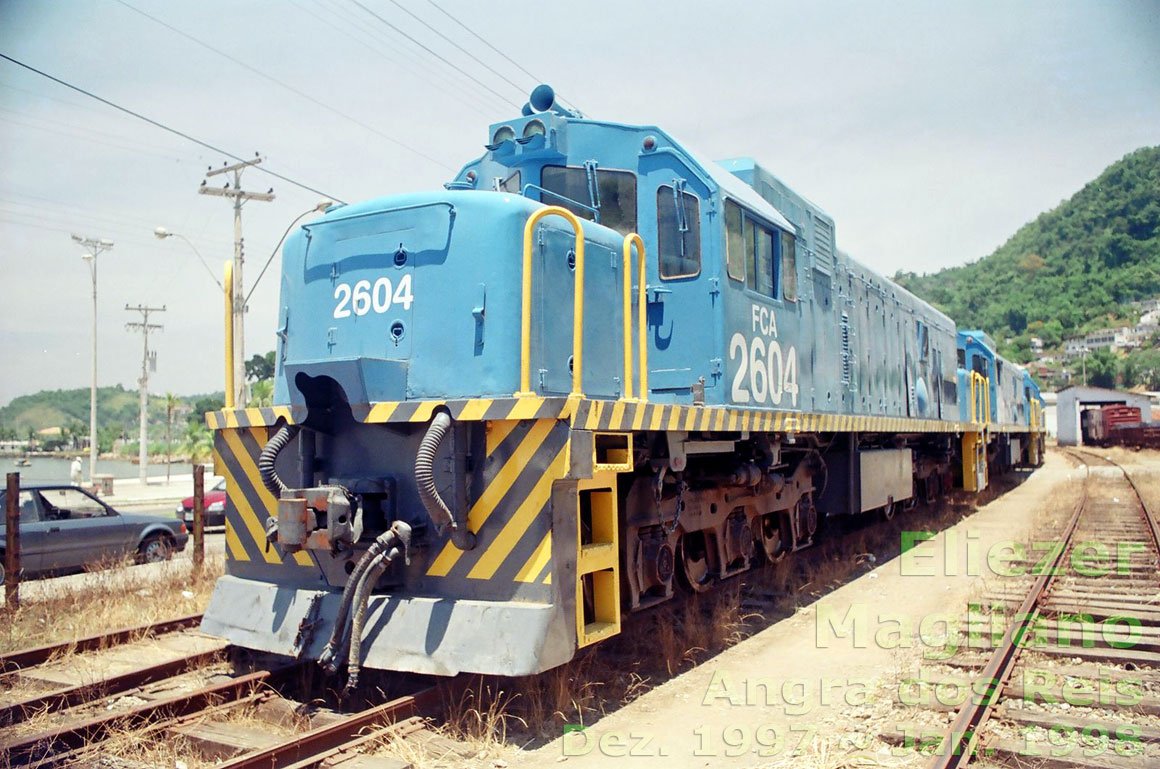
(629, 240)
(525, 390)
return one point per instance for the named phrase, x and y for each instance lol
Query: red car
(215, 505)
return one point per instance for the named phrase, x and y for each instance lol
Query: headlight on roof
(534, 128)
(503, 134)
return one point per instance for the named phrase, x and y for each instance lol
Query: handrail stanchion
(525, 390)
(629, 240)
(987, 397)
(642, 325)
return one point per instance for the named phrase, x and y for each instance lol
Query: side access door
(684, 292)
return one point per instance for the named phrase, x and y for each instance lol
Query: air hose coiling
(356, 594)
(433, 503)
(425, 473)
(334, 651)
(269, 456)
(362, 596)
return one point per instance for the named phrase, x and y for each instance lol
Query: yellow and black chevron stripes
(509, 519)
(627, 415)
(616, 415)
(249, 503)
(233, 418)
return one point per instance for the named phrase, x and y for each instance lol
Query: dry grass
(109, 599)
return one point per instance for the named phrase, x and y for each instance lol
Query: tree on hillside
(261, 393)
(1101, 368)
(202, 405)
(198, 442)
(1079, 263)
(260, 367)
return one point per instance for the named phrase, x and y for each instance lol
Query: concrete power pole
(239, 196)
(144, 327)
(93, 248)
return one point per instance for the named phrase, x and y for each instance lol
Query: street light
(95, 246)
(320, 207)
(161, 234)
(234, 353)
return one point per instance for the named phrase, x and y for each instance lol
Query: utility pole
(239, 196)
(93, 246)
(147, 362)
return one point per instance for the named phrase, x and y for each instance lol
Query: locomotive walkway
(829, 670)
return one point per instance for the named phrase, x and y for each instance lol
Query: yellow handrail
(228, 284)
(980, 386)
(525, 390)
(629, 240)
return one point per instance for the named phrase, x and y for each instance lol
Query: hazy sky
(930, 131)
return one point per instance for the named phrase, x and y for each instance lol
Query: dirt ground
(818, 688)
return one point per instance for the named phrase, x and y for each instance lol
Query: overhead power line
(164, 127)
(438, 56)
(287, 86)
(481, 39)
(462, 95)
(468, 53)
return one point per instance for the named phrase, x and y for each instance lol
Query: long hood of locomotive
(418, 296)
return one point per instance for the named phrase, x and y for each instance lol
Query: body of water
(53, 470)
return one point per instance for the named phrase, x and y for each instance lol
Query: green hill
(1071, 270)
(117, 410)
(59, 408)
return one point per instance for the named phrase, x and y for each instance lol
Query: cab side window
(678, 233)
(758, 255)
(734, 240)
(614, 194)
(788, 267)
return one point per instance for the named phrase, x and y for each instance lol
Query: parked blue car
(65, 528)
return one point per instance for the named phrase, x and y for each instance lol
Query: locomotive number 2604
(766, 373)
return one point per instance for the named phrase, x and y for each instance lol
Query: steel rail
(147, 731)
(34, 747)
(1150, 515)
(67, 697)
(960, 744)
(39, 654)
(307, 749)
(398, 729)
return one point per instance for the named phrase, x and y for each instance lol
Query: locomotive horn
(543, 98)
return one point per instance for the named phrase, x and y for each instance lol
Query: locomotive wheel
(773, 540)
(694, 574)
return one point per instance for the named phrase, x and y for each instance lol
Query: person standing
(76, 472)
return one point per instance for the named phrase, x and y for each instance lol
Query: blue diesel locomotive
(595, 370)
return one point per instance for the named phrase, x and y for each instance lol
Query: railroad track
(1073, 673)
(188, 696)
